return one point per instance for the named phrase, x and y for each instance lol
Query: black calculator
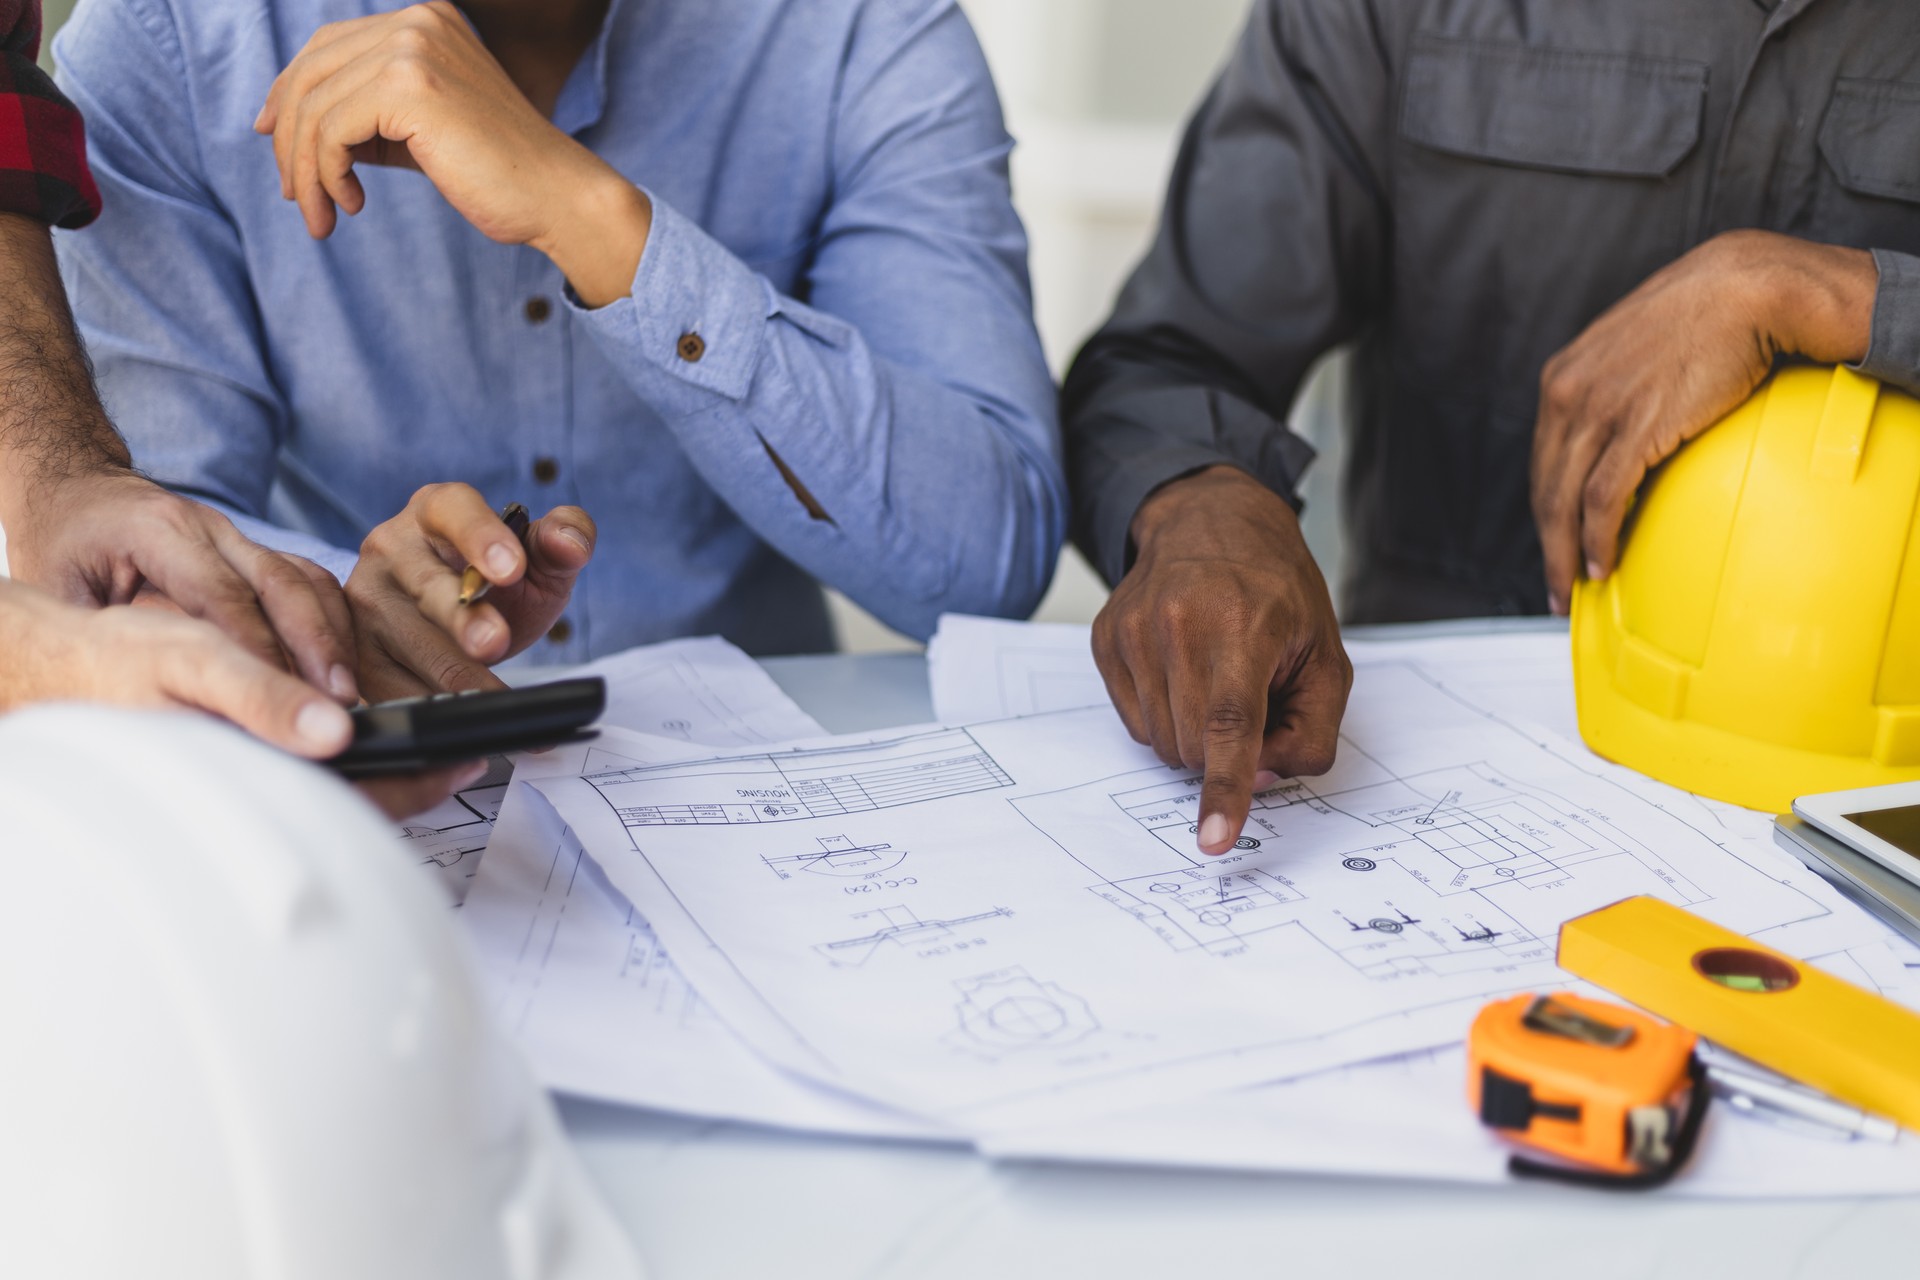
(414, 735)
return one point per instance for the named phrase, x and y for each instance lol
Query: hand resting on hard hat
(415, 636)
(1667, 362)
(1220, 647)
(146, 657)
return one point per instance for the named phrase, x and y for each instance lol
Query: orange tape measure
(1617, 1096)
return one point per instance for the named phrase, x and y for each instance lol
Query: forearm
(52, 426)
(912, 491)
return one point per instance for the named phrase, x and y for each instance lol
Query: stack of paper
(1004, 934)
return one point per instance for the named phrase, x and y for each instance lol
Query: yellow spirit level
(1805, 1024)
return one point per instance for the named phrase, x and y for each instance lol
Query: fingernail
(482, 634)
(577, 538)
(1594, 572)
(1555, 605)
(259, 118)
(500, 560)
(1264, 779)
(322, 727)
(1215, 830)
(340, 684)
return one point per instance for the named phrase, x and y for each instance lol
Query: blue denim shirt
(831, 217)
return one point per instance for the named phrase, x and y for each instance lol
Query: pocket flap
(1542, 108)
(1871, 137)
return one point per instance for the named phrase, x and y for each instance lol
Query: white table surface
(711, 1201)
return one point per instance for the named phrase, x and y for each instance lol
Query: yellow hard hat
(1760, 639)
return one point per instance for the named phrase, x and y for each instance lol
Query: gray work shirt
(1458, 187)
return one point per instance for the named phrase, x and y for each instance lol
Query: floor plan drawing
(1366, 912)
(1462, 851)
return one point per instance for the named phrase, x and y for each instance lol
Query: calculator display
(1898, 827)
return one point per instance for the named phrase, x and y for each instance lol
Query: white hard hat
(240, 1035)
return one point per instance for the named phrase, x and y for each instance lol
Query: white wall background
(1095, 93)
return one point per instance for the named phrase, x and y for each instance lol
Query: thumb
(561, 543)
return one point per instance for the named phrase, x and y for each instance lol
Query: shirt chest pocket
(1870, 146)
(1534, 187)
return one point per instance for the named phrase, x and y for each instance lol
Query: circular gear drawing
(1359, 864)
(1380, 924)
(1246, 842)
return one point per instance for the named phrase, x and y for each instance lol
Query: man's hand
(415, 636)
(151, 658)
(1220, 647)
(417, 88)
(106, 536)
(1667, 362)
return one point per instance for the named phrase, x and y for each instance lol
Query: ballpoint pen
(473, 584)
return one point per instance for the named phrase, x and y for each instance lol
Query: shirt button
(545, 470)
(691, 347)
(538, 309)
(562, 632)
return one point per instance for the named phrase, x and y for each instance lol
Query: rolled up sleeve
(907, 395)
(43, 147)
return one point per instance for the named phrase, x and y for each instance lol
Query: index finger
(306, 610)
(1232, 736)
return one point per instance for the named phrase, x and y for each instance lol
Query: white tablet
(1881, 822)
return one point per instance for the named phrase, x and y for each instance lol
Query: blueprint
(585, 987)
(1003, 925)
(698, 691)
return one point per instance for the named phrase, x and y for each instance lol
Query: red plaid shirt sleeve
(43, 148)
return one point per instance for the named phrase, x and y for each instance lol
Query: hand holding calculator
(414, 735)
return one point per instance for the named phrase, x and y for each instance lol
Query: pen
(1753, 1093)
(473, 584)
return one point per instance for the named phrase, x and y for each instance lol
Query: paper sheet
(585, 987)
(702, 691)
(1003, 926)
(1402, 1117)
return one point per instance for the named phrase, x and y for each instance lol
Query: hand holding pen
(448, 587)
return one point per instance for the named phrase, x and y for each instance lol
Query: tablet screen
(1898, 827)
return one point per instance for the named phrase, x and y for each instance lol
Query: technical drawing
(901, 927)
(1007, 1012)
(1464, 851)
(1192, 908)
(457, 830)
(791, 786)
(839, 856)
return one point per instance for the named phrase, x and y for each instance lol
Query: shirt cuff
(1149, 438)
(1893, 351)
(697, 314)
